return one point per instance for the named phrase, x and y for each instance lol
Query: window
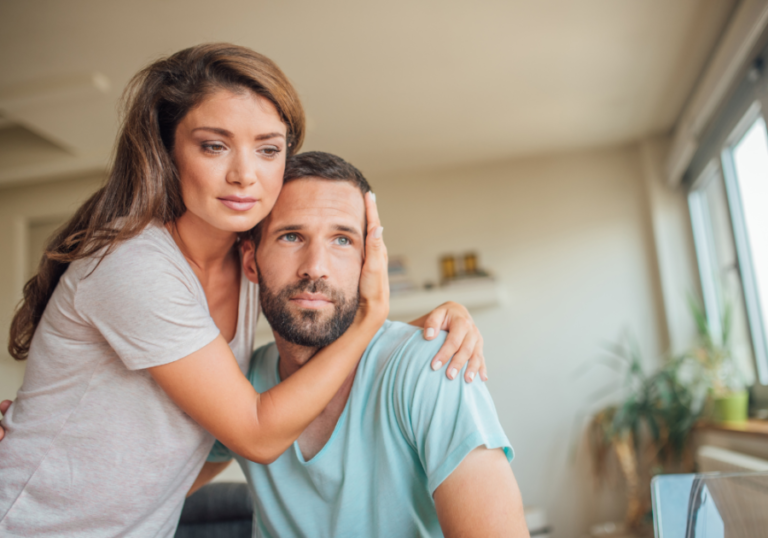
(745, 164)
(729, 214)
(718, 261)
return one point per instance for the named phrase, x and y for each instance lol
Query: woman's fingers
(434, 323)
(462, 346)
(372, 212)
(374, 281)
(457, 332)
(4, 405)
(476, 361)
(461, 357)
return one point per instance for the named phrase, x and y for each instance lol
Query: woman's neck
(204, 246)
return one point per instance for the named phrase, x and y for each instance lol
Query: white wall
(570, 238)
(19, 207)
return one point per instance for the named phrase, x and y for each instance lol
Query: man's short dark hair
(316, 164)
(324, 166)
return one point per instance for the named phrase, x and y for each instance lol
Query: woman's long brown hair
(143, 183)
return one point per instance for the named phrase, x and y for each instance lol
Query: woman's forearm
(285, 410)
(209, 386)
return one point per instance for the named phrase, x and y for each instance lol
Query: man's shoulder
(398, 338)
(400, 350)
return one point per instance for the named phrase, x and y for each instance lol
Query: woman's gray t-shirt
(94, 447)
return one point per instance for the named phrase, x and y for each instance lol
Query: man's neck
(292, 356)
(319, 431)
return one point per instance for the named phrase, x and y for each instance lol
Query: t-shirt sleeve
(443, 419)
(145, 305)
(219, 453)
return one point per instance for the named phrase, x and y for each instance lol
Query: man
(400, 450)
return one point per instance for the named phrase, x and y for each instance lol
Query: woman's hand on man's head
(374, 277)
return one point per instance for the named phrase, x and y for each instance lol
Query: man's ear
(248, 250)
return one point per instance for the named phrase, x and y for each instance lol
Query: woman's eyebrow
(267, 136)
(224, 132)
(217, 130)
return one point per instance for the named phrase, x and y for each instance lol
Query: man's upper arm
(443, 420)
(481, 498)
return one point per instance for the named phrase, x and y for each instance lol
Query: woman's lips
(238, 204)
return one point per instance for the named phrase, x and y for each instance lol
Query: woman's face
(230, 152)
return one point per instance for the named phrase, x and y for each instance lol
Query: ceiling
(390, 86)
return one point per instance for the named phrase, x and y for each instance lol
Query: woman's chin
(221, 222)
(240, 223)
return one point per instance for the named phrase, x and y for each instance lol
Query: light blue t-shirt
(404, 430)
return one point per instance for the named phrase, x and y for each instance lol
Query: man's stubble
(305, 328)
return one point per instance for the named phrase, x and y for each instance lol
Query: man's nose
(314, 263)
(243, 169)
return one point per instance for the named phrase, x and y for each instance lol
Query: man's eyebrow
(299, 227)
(224, 132)
(347, 229)
(287, 228)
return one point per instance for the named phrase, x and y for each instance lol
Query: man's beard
(304, 328)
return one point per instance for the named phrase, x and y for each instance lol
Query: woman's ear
(248, 251)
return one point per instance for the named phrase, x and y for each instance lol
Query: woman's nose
(243, 170)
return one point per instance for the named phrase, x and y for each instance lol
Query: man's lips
(238, 203)
(311, 300)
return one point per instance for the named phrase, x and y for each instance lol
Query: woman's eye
(214, 148)
(271, 151)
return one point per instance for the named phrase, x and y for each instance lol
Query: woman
(139, 324)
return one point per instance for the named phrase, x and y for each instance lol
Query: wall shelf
(473, 295)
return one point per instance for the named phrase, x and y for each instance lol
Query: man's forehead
(312, 198)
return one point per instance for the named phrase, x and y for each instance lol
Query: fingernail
(484, 377)
(430, 332)
(452, 373)
(437, 365)
(378, 231)
(373, 195)
(471, 375)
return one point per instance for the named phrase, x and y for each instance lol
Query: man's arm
(210, 470)
(481, 498)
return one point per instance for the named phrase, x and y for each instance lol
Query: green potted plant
(648, 430)
(728, 385)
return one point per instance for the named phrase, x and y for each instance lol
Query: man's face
(309, 260)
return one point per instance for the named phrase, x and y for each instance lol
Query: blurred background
(573, 161)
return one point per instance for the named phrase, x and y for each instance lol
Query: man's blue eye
(290, 237)
(343, 240)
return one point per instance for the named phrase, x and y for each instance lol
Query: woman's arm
(464, 341)
(210, 388)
